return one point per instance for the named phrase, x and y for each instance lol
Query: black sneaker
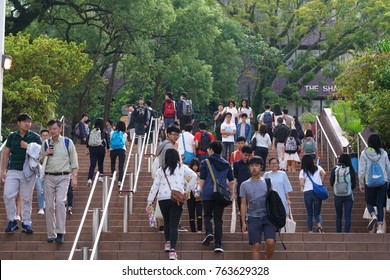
(207, 240)
(218, 250)
(12, 226)
(70, 211)
(60, 238)
(27, 229)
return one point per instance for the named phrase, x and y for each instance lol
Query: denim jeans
(379, 194)
(210, 209)
(227, 146)
(121, 154)
(171, 213)
(263, 153)
(313, 208)
(40, 195)
(96, 155)
(339, 203)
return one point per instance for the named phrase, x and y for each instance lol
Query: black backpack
(204, 141)
(275, 208)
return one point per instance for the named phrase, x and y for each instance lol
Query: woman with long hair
(309, 145)
(97, 142)
(245, 109)
(118, 148)
(375, 195)
(263, 143)
(171, 176)
(343, 172)
(312, 202)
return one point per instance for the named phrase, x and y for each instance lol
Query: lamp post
(2, 34)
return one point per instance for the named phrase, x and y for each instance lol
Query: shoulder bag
(177, 197)
(220, 193)
(319, 190)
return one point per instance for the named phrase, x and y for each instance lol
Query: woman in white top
(245, 109)
(263, 143)
(172, 176)
(232, 109)
(118, 139)
(312, 202)
(280, 182)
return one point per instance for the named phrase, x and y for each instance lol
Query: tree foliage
(41, 71)
(365, 82)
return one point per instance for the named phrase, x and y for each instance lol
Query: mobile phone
(51, 146)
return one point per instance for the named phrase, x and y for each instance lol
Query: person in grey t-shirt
(253, 194)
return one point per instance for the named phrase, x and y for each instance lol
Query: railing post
(131, 195)
(85, 253)
(136, 163)
(126, 213)
(105, 196)
(95, 226)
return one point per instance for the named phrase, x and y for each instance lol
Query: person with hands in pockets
(171, 176)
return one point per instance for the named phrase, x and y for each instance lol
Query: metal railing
(62, 120)
(331, 158)
(360, 144)
(102, 220)
(86, 210)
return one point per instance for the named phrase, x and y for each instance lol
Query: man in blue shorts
(253, 194)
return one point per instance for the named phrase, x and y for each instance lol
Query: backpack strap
(184, 144)
(212, 174)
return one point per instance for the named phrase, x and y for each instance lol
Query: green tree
(41, 70)
(310, 34)
(365, 82)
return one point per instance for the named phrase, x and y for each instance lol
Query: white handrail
(127, 165)
(62, 120)
(101, 224)
(3, 145)
(146, 140)
(326, 137)
(84, 216)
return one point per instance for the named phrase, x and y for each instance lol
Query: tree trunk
(110, 88)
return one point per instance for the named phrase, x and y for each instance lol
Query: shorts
(257, 226)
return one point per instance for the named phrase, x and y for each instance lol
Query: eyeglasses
(174, 134)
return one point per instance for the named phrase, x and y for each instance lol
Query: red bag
(169, 109)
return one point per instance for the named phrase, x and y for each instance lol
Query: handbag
(320, 191)
(254, 142)
(221, 194)
(234, 218)
(291, 225)
(188, 156)
(177, 197)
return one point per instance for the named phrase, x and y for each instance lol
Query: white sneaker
(89, 183)
(172, 255)
(100, 179)
(41, 212)
(17, 217)
(167, 246)
(119, 184)
(380, 231)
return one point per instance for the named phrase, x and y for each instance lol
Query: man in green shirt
(14, 177)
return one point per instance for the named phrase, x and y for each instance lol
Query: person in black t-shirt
(219, 117)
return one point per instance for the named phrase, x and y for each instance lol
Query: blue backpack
(117, 141)
(375, 177)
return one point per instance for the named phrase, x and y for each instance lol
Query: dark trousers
(194, 207)
(339, 203)
(202, 156)
(184, 120)
(263, 153)
(376, 197)
(218, 135)
(213, 210)
(96, 155)
(171, 213)
(228, 149)
(121, 154)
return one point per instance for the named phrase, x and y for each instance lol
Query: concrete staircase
(145, 243)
